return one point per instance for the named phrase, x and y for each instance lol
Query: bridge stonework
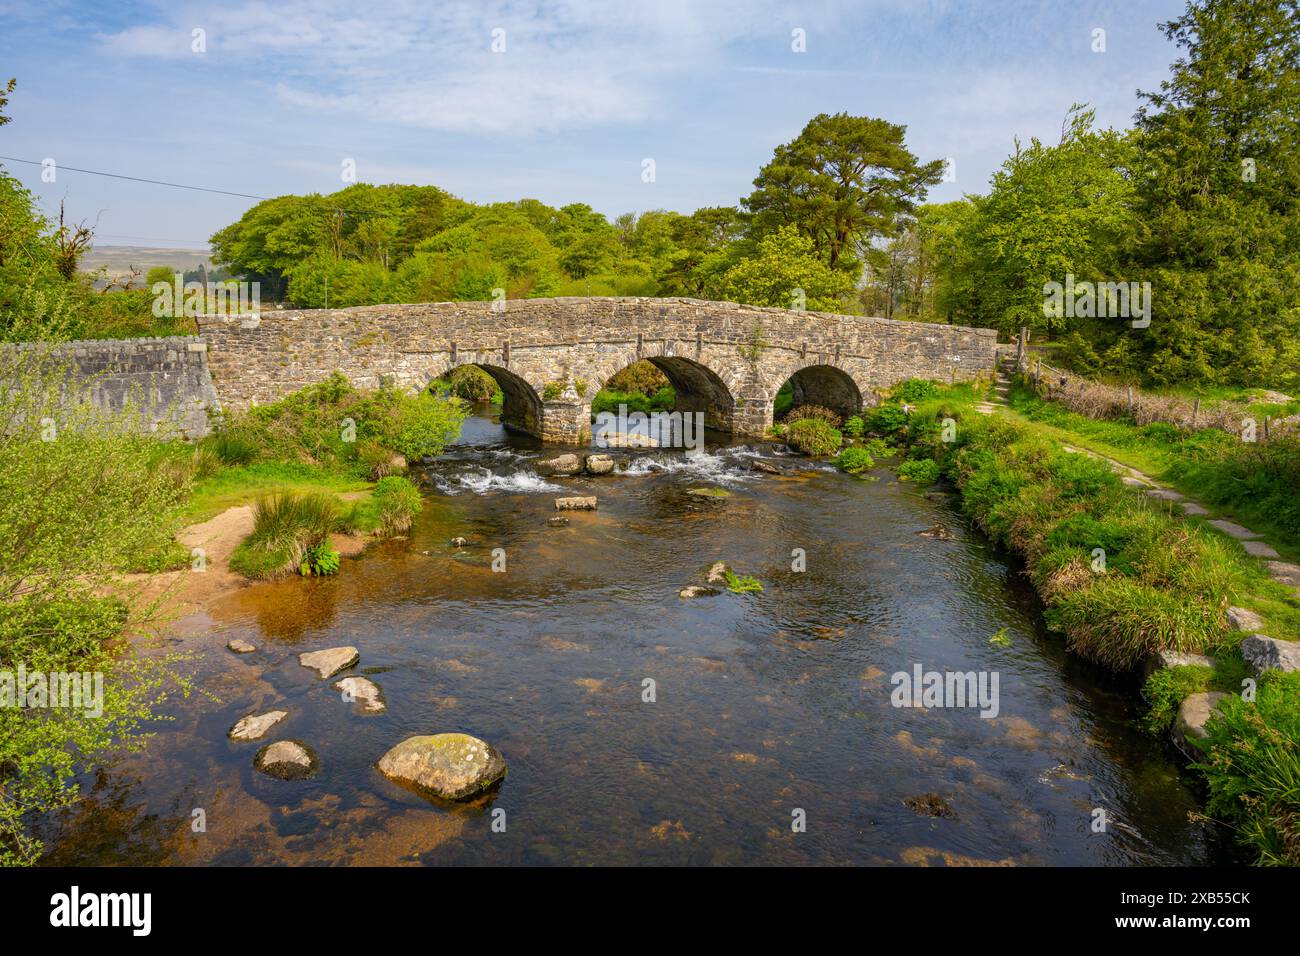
(551, 356)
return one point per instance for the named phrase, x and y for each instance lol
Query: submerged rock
(587, 503)
(286, 760)
(1267, 653)
(566, 464)
(559, 521)
(937, 531)
(240, 646)
(255, 726)
(363, 692)
(930, 805)
(599, 464)
(709, 492)
(459, 542)
(450, 766)
(330, 661)
(696, 590)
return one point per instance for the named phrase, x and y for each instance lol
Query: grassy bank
(1121, 579)
(1251, 482)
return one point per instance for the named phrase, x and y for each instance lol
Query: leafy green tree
(4, 99)
(842, 182)
(785, 264)
(1051, 211)
(1218, 164)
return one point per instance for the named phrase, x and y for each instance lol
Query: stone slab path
(1281, 571)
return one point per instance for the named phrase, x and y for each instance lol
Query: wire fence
(1124, 402)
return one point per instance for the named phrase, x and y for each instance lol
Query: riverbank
(180, 592)
(1133, 584)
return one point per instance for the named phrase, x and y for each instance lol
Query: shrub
(924, 470)
(854, 459)
(879, 448)
(397, 502)
(854, 426)
(814, 412)
(420, 426)
(887, 420)
(1252, 763)
(812, 436)
(308, 426)
(916, 390)
(320, 559)
(73, 512)
(286, 526)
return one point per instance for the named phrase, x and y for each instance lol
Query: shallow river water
(766, 704)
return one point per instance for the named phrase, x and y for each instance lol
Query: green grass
(239, 486)
(1251, 484)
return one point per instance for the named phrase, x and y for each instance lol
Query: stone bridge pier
(551, 356)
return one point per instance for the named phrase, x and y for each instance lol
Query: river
(771, 737)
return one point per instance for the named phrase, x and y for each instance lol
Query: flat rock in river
(364, 692)
(330, 661)
(566, 464)
(255, 726)
(286, 760)
(450, 766)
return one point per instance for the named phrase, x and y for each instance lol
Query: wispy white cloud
(565, 64)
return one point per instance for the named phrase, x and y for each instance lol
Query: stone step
(1233, 530)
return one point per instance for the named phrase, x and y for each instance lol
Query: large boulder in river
(330, 661)
(599, 464)
(566, 464)
(286, 760)
(450, 766)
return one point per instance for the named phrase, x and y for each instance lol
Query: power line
(137, 179)
(202, 189)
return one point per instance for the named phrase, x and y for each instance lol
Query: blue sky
(581, 95)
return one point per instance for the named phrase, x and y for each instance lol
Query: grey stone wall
(726, 359)
(166, 380)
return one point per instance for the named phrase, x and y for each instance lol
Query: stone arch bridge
(551, 356)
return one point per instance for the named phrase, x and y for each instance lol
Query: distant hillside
(121, 259)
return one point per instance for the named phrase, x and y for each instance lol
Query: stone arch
(521, 406)
(828, 386)
(699, 388)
